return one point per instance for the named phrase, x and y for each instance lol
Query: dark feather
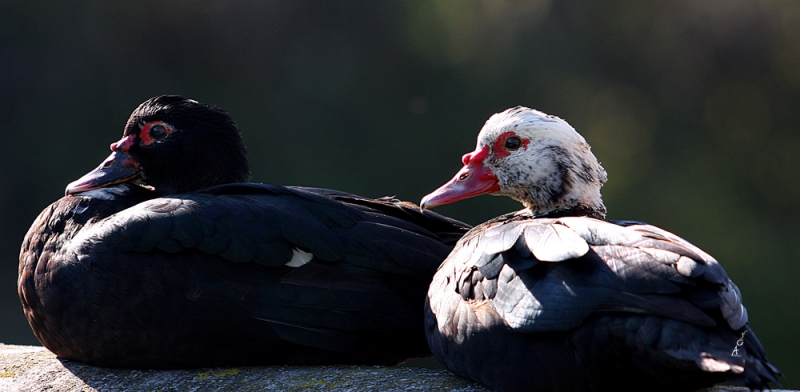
(638, 300)
(211, 264)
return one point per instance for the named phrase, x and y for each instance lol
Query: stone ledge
(33, 368)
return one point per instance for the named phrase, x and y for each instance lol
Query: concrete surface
(32, 368)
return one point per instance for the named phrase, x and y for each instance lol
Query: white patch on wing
(569, 289)
(710, 364)
(554, 242)
(299, 258)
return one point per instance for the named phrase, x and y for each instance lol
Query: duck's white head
(532, 157)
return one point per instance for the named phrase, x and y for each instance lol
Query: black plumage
(555, 298)
(162, 258)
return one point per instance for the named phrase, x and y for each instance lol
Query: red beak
(118, 167)
(472, 180)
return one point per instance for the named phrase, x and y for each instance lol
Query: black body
(160, 258)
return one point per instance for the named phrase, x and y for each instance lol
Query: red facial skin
(474, 178)
(119, 166)
(144, 134)
(499, 145)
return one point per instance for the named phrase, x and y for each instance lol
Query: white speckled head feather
(553, 169)
(533, 121)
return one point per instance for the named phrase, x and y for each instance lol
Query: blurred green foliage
(692, 106)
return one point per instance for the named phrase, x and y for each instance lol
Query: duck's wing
(551, 274)
(268, 225)
(604, 280)
(331, 265)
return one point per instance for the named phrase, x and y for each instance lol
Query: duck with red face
(555, 297)
(165, 257)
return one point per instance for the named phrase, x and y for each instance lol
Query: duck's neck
(588, 202)
(592, 212)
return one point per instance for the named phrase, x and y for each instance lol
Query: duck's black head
(173, 145)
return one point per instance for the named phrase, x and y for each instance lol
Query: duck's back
(234, 274)
(577, 303)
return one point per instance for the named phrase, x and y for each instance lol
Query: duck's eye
(158, 131)
(513, 143)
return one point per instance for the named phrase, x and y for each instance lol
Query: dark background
(692, 107)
